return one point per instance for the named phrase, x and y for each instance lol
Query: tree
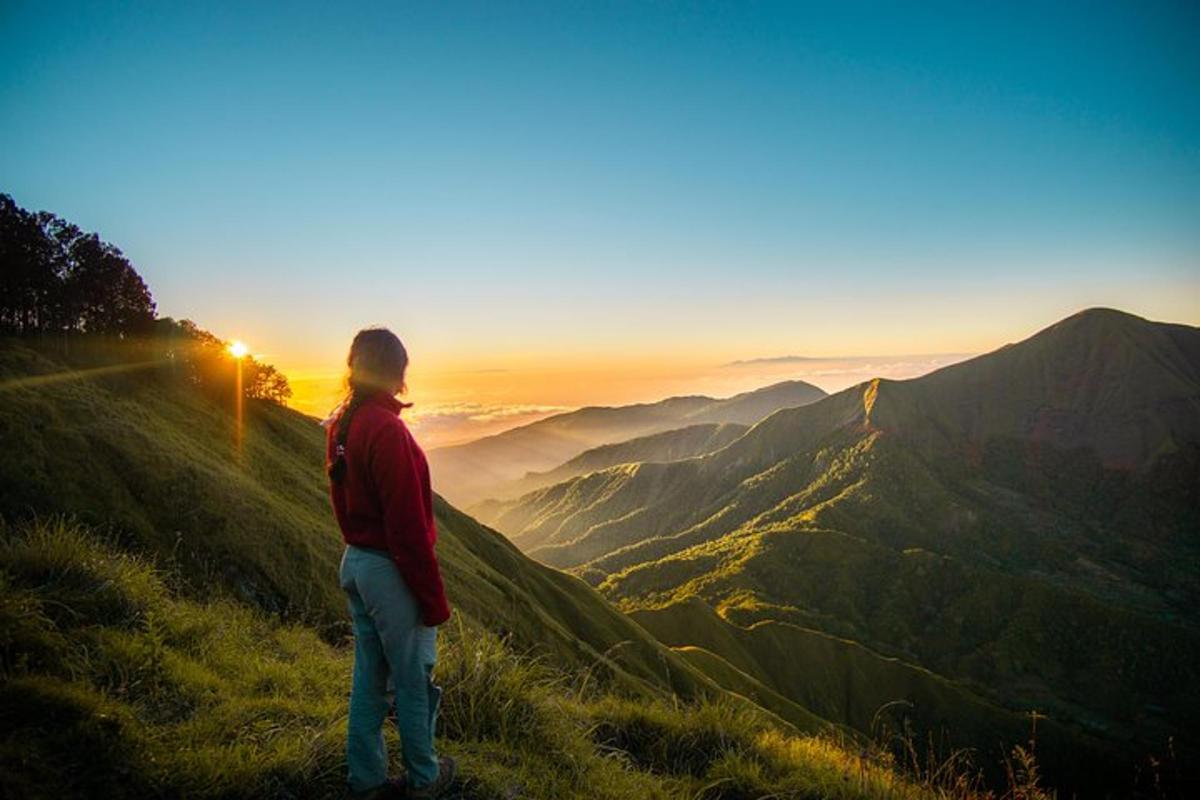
(266, 383)
(205, 360)
(103, 292)
(56, 278)
(29, 282)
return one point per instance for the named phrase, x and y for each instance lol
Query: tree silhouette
(266, 383)
(30, 285)
(102, 291)
(55, 278)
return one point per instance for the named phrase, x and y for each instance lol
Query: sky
(569, 204)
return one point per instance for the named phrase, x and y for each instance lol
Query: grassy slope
(842, 680)
(118, 684)
(155, 460)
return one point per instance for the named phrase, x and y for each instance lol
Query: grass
(118, 684)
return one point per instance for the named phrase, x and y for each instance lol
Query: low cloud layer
(742, 362)
(453, 423)
(834, 374)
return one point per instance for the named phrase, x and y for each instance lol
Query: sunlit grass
(116, 684)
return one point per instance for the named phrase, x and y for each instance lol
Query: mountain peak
(1101, 313)
(1124, 386)
(1098, 320)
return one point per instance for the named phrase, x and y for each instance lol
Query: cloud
(741, 362)
(836, 373)
(506, 412)
(478, 411)
(451, 423)
(791, 359)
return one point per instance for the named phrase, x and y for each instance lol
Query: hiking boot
(446, 770)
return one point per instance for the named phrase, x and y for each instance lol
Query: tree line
(206, 362)
(58, 280)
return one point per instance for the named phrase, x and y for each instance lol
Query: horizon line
(797, 359)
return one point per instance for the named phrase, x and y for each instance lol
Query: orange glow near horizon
(466, 381)
(451, 406)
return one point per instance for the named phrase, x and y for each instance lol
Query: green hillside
(1022, 524)
(840, 679)
(146, 455)
(179, 634)
(468, 473)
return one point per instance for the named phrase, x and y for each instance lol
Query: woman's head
(377, 361)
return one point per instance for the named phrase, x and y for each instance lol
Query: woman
(379, 483)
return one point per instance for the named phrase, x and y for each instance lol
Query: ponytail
(337, 468)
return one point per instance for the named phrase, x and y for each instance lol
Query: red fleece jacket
(385, 500)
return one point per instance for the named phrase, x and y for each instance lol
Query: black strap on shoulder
(337, 468)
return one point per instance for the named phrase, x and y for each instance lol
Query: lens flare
(239, 350)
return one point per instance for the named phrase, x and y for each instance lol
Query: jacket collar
(382, 399)
(386, 400)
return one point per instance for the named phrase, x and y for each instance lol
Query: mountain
(1101, 380)
(468, 473)
(671, 445)
(1023, 523)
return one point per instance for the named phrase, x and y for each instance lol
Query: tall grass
(114, 686)
(115, 683)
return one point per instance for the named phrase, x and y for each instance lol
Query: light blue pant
(389, 642)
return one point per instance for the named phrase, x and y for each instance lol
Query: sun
(238, 349)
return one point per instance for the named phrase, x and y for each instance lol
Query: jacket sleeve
(401, 486)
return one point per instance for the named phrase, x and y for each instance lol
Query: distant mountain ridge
(670, 445)
(1064, 389)
(992, 521)
(466, 473)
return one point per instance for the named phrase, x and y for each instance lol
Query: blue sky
(507, 183)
